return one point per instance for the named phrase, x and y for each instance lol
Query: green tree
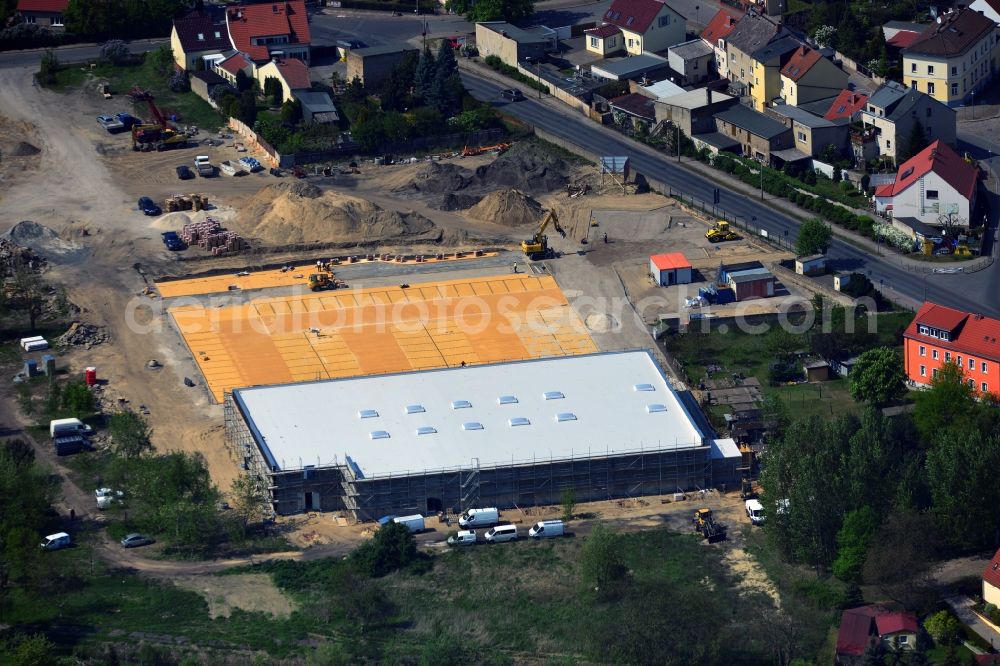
(393, 547)
(173, 495)
(247, 110)
(26, 491)
(568, 502)
(949, 402)
(916, 141)
(814, 238)
(492, 10)
(943, 627)
(362, 598)
(243, 82)
(899, 558)
(131, 436)
(426, 121)
(874, 654)
(961, 472)
(291, 111)
(424, 74)
(273, 90)
(878, 377)
(602, 564)
(368, 129)
(396, 127)
(249, 498)
(48, 67)
(78, 399)
(853, 540)
(27, 293)
(34, 650)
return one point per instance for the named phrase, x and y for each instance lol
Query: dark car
(128, 120)
(172, 241)
(513, 94)
(184, 172)
(276, 172)
(147, 206)
(135, 540)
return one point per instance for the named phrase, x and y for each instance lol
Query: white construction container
(414, 523)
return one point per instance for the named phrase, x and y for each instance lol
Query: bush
(495, 63)
(115, 51)
(179, 82)
(48, 66)
(393, 547)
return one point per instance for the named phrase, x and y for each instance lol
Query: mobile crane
(158, 135)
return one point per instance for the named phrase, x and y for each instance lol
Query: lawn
(151, 73)
(827, 399)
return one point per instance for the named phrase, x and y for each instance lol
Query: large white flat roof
(611, 403)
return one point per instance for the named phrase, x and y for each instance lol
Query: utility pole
(678, 143)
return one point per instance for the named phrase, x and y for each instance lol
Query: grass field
(149, 73)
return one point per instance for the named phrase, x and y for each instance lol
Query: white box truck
(479, 518)
(414, 523)
(545, 529)
(68, 427)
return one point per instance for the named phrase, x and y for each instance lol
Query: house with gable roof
(199, 35)
(893, 110)
(939, 335)
(43, 13)
(991, 581)
(933, 183)
(807, 76)
(646, 25)
(868, 625)
(715, 34)
(262, 32)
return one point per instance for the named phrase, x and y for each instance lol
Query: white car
(755, 511)
(106, 497)
(463, 538)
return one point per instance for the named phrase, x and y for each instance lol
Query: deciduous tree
(878, 377)
(949, 402)
(961, 472)
(492, 10)
(814, 238)
(602, 565)
(853, 539)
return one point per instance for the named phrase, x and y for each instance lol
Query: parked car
(172, 241)
(184, 172)
(106, 497)
(128, 120)
(513, 94)
(147, 206)
(501, 533)
(463, 538)
(111, 124)
(55, 541)
(276, 172)
(135, 540)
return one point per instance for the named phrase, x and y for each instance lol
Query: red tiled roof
(721, 25)
(633, 15)
(855, 630)
(295, 72)
(970, 333)
(903, 38)
(53, 6)
(893, 623)
(846, 105)
(884, 190)
(992, 573)
(286, 18)
(802, 60)
(954, 34)
(604, 31)
(942, 160)
(234, 64)
(672, 260)
(988, 660)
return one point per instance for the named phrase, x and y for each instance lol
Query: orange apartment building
(939, 335)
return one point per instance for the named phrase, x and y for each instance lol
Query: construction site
(520, 263)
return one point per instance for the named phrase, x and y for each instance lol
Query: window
(29, 19)
(958, 361)
(218, 35)
(664, 20)
(985, 388)
(930, 88)
(201, 36)
(57, 19)
(944, 335)
(913, 68)
(923, 371)
(613, 40)
(631, 41)
(972, 364)
(954, 70)
(593, 42)
(888, 144)
(415, 409)
(984, 367)
(507, 400)
(913, 84)
(972, 384)
(801, 136)
(903, 639)
(923, 350)
(954, 89)
(930, 70)
(932, 194)
(947, 357)
(934, 373)
(934, 354)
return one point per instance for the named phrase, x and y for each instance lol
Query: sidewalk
(723, 179)
(962, 606)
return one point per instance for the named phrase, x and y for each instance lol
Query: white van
(414, 523)
(67, 427)
(755, 511)
(463, 538)
(501, 533)
(479, 518)
(544, 529)
(55, 541)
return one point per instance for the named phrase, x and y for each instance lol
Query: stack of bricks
(186, 202)
(210, 235)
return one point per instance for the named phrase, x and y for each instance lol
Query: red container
(90, 376)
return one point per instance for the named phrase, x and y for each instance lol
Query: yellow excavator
(721, 232)
(537, 247)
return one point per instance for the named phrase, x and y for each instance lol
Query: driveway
(962, 606)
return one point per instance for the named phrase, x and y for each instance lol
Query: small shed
(843, 368)
(671, 268)
(814, 264)
(841, 280)
(816, 370)
(748, 281)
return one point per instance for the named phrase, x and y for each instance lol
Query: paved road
(976, 292)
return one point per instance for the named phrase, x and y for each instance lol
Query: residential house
(199, 33)
(807, 76)
(812, 133)
(692, 60)
(660, 90)
(954, 58)
(893, 110)
(715, 35)
(901, 34)
(634, 108)
(232, 66)
(936, 186)
(317, 107)
(939, 335)
(508, 42)
(646, 25)
(204, 82)
(694, 112)
(604, 40)
(372, 65)
(848, 104)
(991, 581)
(292, 74)
(43, 13)
(746, 42)
(767, 64)
(988, 8)
(273, 29)
(867, 625)
(647, 65)
(758, 135)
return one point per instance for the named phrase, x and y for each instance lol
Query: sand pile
(507, 207)
(40, 238)
(296, 212)
(525, 167)
(437, 178)
(460, 201)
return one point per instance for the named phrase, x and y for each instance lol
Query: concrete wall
(694, 70)
(490, 42)
(557, 92)
(373, 69)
